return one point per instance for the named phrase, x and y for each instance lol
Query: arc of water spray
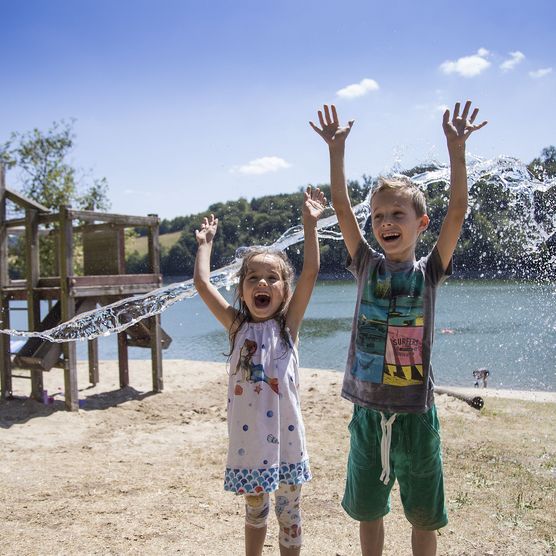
(127, 312)
(122, 314)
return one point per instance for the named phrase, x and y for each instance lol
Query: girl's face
(263, 289)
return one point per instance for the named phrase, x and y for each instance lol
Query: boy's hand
(334, 135)
(459, 128)
(314, 204)
(208, 230)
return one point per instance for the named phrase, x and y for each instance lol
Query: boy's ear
(424, 224)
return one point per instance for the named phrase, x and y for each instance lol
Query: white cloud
(543, 72)
(358, 89)
(512, 61)
(467, 66)
(136, 192)
(262, 165)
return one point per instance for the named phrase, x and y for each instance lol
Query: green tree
(46, 176)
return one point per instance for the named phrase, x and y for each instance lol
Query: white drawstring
(386, 426)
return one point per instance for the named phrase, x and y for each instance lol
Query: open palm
(314, 203)
(331, 131)
(459, 128)
(208, 230)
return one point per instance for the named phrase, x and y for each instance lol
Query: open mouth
(262, 300)
(390, 236)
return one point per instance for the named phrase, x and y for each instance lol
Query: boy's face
(396, 225)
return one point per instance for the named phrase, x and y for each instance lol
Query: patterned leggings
(287, 497)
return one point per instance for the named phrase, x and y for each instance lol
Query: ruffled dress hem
(255, 481)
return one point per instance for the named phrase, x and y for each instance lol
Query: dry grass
(135, 473)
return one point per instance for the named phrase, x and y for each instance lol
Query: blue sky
(184, 104)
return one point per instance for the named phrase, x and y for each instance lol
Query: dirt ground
(139, 473)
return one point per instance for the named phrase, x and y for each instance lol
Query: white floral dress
(266, 434)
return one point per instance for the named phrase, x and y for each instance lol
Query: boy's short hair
(404, 184)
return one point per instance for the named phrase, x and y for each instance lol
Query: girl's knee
(289, 515)
(256, 510)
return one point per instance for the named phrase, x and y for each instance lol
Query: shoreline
(143, 365)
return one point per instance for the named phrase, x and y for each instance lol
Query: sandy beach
(139, 473)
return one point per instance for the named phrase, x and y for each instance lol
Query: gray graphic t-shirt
(388, 367)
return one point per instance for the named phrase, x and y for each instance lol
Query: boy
(394, 432)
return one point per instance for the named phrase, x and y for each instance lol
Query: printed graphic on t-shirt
(389, 345)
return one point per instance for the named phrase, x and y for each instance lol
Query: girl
(266, 451)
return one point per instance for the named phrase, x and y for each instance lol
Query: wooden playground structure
(104, 281)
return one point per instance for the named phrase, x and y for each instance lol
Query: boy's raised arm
(457, 130)
(214, 300)
(335, 137)
(314, 203)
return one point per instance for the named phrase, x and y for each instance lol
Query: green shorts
(415, 460)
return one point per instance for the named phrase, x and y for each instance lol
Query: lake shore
(139, 473)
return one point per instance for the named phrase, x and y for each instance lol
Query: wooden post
(92, 346)
(156, 353)
(32, 278)
(123, 359)
(156, 343)
(123, 354)
(4, 277)
(5, 355)
(68, 308)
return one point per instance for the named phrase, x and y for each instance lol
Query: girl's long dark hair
(243, 314)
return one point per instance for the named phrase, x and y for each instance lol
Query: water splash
(118, 316)
(524, 193)
(502, 171)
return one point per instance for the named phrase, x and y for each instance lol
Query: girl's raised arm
(214, 300)
(313, 206)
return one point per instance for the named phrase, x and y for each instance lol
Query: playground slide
(41, 355)
(139, 335)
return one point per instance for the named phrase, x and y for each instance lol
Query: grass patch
(499, 466)
(139, 244)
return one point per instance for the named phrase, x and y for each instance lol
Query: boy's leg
(256, 513)
(423, 543)
(371, 536)
(418, 466)
(366, 497)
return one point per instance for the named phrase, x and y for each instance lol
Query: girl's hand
(208, 230)
(334, 135)
(314, 204)
(460, 128)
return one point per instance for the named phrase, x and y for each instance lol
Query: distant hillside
(497, 230)
(139, 244)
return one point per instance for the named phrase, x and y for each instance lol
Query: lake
(509, 328)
